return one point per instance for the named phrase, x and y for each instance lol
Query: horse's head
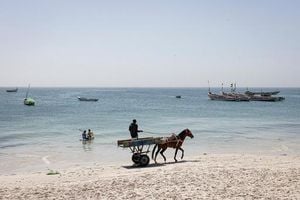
(189, 133)
(186, 132)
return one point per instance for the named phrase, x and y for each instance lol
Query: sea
(47, 136)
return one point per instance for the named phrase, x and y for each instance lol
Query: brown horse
(175, 142)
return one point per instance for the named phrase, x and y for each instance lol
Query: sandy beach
(212, 176)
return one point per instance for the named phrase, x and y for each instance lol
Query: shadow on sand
(135, 166)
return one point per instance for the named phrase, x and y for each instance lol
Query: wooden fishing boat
(222, 97)
(232, 96)
(261, 93)
(264, 96)
(237, 96)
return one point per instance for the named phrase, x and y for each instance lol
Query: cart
(140, 148)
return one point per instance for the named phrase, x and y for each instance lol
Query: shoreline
(210, 176)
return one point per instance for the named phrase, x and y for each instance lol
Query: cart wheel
(136, 158)
(144, 160)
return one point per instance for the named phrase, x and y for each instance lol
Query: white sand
(203, 177)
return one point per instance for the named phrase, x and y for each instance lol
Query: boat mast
(27, 91)
(234, 89)
(222, 89)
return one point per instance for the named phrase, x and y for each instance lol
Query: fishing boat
(236, 95)
(28, 101)
(220, 97)
(264, 96)
(86, 99)
(262, 93)
(232, 96)
(12, 90)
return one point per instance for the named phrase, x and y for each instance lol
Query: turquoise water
(47, 135)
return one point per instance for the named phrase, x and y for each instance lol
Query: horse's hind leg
(162, 154)
(158, 149)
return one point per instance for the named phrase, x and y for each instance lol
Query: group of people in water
(133, 129)
(88, 135)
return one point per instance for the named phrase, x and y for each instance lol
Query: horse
(175, 141)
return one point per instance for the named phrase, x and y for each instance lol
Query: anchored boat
(12, 90)
(86, 99)
(264, 96)
(28, 101)
(232, 96)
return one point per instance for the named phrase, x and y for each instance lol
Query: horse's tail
(153, 150)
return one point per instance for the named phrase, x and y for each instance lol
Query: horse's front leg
(175, 154)
(182, 151)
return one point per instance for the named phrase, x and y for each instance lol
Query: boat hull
(86, 99)
(266, 98)
(225, 97)
(29, 102)
(12, 90)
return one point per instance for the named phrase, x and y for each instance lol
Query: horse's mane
(181, 135)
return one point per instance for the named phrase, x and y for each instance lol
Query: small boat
(28, 101)
(86, 99)
(178, 97)
(12, 90)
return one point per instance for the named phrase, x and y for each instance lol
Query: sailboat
(28, 101)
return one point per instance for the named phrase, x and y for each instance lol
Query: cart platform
(139, 142)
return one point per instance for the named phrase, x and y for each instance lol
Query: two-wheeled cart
(140, 148)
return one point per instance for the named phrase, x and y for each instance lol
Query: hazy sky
(150, 43)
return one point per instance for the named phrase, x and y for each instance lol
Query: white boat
(28, 101)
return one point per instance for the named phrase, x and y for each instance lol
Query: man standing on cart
(133, 129)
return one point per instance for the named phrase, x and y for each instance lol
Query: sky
(140, 43)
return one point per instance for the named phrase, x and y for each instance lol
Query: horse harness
(174, 138)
